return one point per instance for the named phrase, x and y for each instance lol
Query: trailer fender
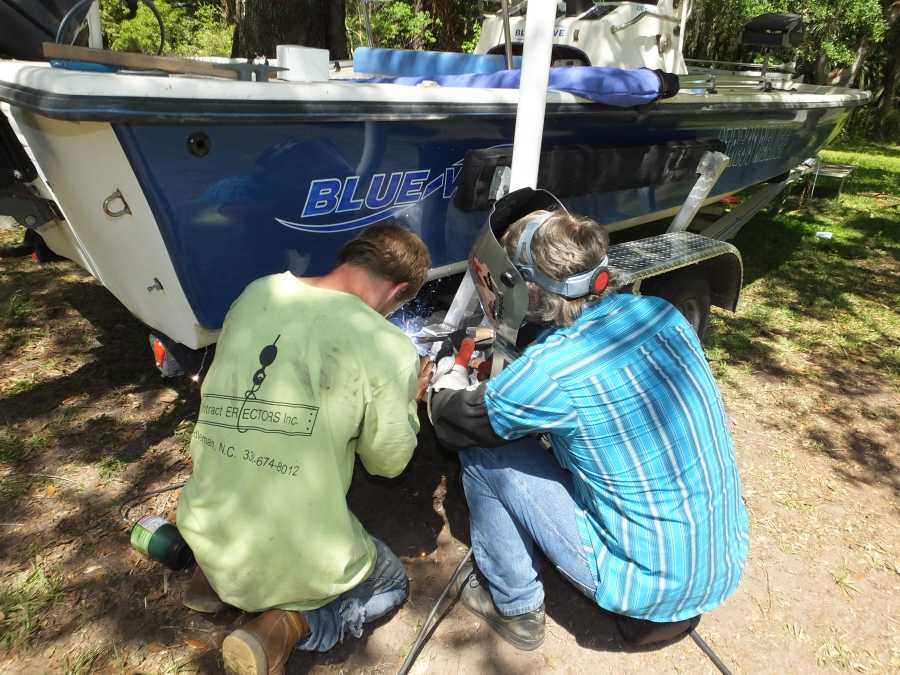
(725, 274)
(695, 287)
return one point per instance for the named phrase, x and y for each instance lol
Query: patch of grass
(184, 430)
(20, 386)
(817, 301)
(110, 468)
(11, 233)
(833, 652)
(14, 449)
(13, 486)
(15, 312)
(795, 630)
(84, 662)
(175, 667)
(844, 581)
(16, 325)
(64, 422)
(24, 602)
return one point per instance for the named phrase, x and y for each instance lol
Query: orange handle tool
(464, 355)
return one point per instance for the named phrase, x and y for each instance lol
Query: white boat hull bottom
(84, 165)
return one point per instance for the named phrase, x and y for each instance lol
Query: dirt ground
(85, 421)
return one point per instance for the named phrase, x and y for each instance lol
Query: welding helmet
(502, 283)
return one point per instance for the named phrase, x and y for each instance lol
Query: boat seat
(559, 54)
(773, 30)
(640, 633)
(414, 63)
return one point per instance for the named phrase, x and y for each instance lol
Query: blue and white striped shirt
(635, 415)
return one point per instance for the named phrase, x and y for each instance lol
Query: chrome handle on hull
(107, 205)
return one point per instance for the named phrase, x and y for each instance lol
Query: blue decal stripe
(436, 184)
(346, 225)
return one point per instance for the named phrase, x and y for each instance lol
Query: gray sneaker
(523, 631)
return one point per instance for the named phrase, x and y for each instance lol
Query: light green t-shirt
(265, 511)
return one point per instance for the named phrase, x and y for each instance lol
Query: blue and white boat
(177, 190)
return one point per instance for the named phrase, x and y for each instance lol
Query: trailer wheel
(688, 290)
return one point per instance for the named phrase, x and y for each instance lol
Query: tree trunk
(261, 25)
(228, 7)
(417, 41)
(821, 74)
(848, 75)
(891, 73)
(449, 33)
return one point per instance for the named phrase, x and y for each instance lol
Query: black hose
(717, 662)
(428, 627)
(84, 4)
(130, 503)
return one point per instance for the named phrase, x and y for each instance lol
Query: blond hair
(564, 245)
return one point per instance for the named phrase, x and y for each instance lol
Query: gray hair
(564, 245)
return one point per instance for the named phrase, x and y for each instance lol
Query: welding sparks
(419, 312)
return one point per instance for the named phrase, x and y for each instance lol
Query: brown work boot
(263, 646)
(200, 596)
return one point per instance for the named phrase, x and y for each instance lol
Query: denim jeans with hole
(385, 589)
(521, 500)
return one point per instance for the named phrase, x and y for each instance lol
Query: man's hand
(452, 372)
(426, 368)
(449, 375)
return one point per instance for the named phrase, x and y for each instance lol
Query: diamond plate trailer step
(643, 258)
(633, 262)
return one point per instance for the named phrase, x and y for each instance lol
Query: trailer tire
(688, 291)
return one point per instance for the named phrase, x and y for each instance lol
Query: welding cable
(129, 504)
(717, 662)
(432, 621)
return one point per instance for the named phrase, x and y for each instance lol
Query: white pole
(507, 36)
(540, 22)
(679, 55)
(95, 27)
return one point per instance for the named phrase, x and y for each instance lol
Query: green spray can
(156, 538)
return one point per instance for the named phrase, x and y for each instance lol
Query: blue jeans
(521, 500)
(385, 589)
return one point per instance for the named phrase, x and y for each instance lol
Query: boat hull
(288, 196)
(225, 182)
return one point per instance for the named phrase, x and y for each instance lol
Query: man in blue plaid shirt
(639, 505)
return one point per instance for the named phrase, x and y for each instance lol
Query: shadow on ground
(816, 318)
(110, 406)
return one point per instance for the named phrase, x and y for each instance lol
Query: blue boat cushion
(413, 63)
(611, 86)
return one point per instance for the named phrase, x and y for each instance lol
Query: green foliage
(395, 24)
(838, 28)
(833, 28)
(468, 45)
(211, 37)
(826, 301)
(836, 34)
(109, 468)
(193, 28)
(23, 601)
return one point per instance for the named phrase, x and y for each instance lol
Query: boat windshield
(582, 9)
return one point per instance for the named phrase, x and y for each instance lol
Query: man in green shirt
(308, 374)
